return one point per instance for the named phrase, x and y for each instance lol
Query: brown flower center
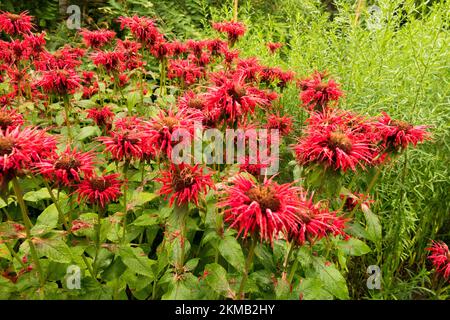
(13, 17)
(66, 163)
(183, 179)
(339, 140)
(266, 198)
(401, 125)
(5, 120)
(99, 184)
(6, 145)
(195, 103)
(238, 91)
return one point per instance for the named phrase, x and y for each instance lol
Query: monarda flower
(276, 76)
(440, 258)
(143, 29)
(235, 99)
(125, 145)
(36, 42)
(99, 190)
(14, 51)
(68, 167)
(97, 38)
(316, 222)
(216, 46)
(396, 134)
(261, 210)
(162, 126)
(130, 51)
(338, 148)
(281, 123)
(111, 61)
(274, 46)
(102, 117)
(20, 149)
(234, 30)
(184, 183)
(187, 72)
(59, 81)
(10, 119)
(317, 93)
(15, 24)
(64, 58)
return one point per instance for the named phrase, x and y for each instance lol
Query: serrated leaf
(137, 261)
(142, 198)
(231, 250)
(46, 221)
(54, 249)
(312, 289)
(216, 278)
(332, 279)
(372, 223)
(353, 247)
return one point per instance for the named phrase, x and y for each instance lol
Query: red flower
(440, 257)
(178, 48)
(235, 99)
(112, 61)
(129, 123)
(130, 51)
(142, 28)
(65, 58)
(59, 81)
(126, 144)
(188, 72)
(14, 51)
(10, 119)
(196, 46)
(99, 190)
(20, 149)
(261, 209)
(184, 183)
(161, 50)
(281, 123)
(102, 117)
(234, 30)
(317, 93)
(97, 38)
(36, 42)
(276, 75)
(68, 167)
(396, 135)
(316, 222)
(274, 46)
(356, 199)
(216, 46)
(338, 148)
(15, 24)
(255, 166)
(165, 124)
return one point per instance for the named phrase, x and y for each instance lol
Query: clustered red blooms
(184, 183)
(440, 258)
(268, 209)
(216, 87)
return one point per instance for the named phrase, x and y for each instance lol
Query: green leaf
(231, 250)
(142, 198)
(332, 279)
(137, 261)
(353, 247)
(372, 223)
(282, 289)
(146, 219)
(46, 221)
(217, 278)
(36, 196)
(54, 249)
(312, 289)
(6, 288)
(87, 132)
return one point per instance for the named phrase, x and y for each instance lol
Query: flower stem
(235, 10)
(125, 190)
(162, 84)
(58, 207)
(98, 228)
(67, 113)
(180, 214)
(28, 226)
(248, 263)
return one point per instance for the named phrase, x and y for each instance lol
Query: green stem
(98, 228)
(58, 208)
(125, 191)
(162, 84)
(180, 214)
(293, 270)
(248, 263)
(14, 254)
(28, 226)
(67, 113)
